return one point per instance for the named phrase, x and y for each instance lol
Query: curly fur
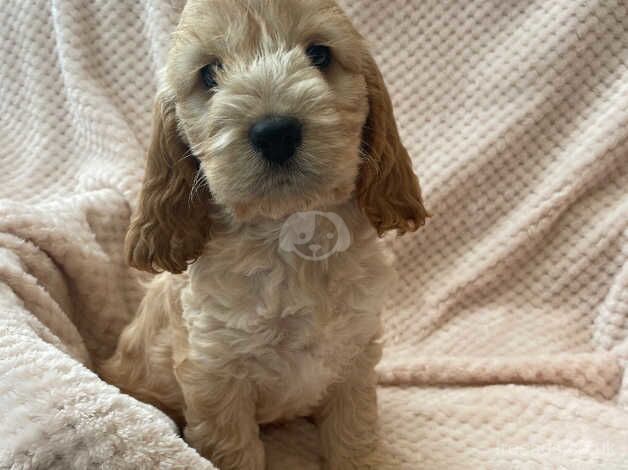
(387, 189)
(172, 223)
(253, 334)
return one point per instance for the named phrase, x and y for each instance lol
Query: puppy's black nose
(276, 137)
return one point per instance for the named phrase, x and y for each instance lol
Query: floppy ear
(387, 189)
(171, 225)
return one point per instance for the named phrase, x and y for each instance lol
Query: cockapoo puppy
(275, 163)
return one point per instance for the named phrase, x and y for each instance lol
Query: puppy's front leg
(347, 419)
(220, 418)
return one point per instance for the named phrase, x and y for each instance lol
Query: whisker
(187, 154)
(198, 183)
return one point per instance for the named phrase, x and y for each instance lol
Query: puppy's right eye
(319, 55)
(208, 75)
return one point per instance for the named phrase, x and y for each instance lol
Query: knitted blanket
(507, 334)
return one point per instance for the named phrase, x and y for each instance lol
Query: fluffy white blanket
(508, 333)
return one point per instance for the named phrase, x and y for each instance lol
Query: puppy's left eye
(208, 75)
(319, 55)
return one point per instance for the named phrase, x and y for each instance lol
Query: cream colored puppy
(274, 165)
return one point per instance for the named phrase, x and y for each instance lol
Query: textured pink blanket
(507, 335)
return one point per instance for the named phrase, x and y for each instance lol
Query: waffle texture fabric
(507, 334)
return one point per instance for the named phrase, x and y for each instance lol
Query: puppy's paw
(372, 461)
(227, 456)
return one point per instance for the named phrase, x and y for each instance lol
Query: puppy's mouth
(286, 198)
(297, 185)
(289, 176)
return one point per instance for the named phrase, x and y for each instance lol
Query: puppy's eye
(208, 75)
(319, 55)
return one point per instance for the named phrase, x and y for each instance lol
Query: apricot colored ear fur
(171, 225)
(388, 191)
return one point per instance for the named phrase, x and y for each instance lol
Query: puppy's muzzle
(276, 138)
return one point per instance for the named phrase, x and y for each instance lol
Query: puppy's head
(267, 108)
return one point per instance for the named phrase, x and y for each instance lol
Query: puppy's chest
(292, 329)
(293, 372)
